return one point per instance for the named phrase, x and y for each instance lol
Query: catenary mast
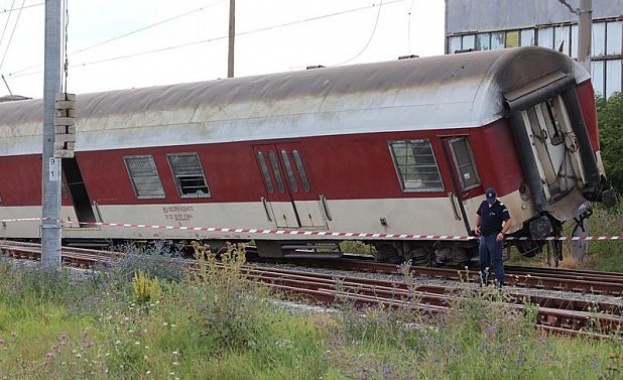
(51, 176)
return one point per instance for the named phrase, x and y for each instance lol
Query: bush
(150, 261)
(233, 311)
(29, 282)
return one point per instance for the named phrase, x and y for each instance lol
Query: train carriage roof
(452, 91)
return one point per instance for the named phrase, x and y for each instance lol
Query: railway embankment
(142, 317)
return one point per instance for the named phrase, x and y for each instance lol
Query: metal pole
(51, 176)
(232, 36)
(7, 85)
(579, 249)
(585, 26)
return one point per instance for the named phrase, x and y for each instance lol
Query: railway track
(568, 280)
(554, 314)
(75, 257)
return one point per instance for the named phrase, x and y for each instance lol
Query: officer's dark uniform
(490, 250)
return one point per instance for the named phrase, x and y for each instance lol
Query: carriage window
(265, 172)
(275, 165)
(416, 165)
(301, 169)
(464, 162)
(144, 177)
(189, 176)
(289, 171)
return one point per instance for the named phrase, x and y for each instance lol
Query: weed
(357, 246)
(145, 288)
(231, 308)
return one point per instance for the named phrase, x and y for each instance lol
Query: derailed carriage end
(553, 120)
(547, 225)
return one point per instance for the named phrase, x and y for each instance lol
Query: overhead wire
(10, 13)
(6, 25)
(12, 34)
(148, 27)
(22, 7)
(20, 73)
(376, 23)
(263, 29)
(123, 35)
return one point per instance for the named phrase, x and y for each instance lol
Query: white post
(585, 32)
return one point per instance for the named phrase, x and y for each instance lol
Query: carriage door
(460, 159)
(290, 201)
(79, 195)
(555, 147)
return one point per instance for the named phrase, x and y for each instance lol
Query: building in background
(498, 24)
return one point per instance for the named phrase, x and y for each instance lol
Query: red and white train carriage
(403, 147)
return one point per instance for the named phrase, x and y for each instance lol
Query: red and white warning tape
(329, 234)
(23, 220)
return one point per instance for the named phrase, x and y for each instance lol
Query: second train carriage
(403, 147)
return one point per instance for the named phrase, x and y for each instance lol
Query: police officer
(492, 222)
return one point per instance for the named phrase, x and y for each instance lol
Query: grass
(606, 255)
(136, 320)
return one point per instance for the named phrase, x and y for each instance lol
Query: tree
(610, 114)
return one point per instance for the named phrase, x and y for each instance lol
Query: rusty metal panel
(489, 15)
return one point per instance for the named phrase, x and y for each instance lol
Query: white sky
(273, 36)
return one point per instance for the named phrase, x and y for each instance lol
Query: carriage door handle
(265, 203)
(452, 198)
(325, 207)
